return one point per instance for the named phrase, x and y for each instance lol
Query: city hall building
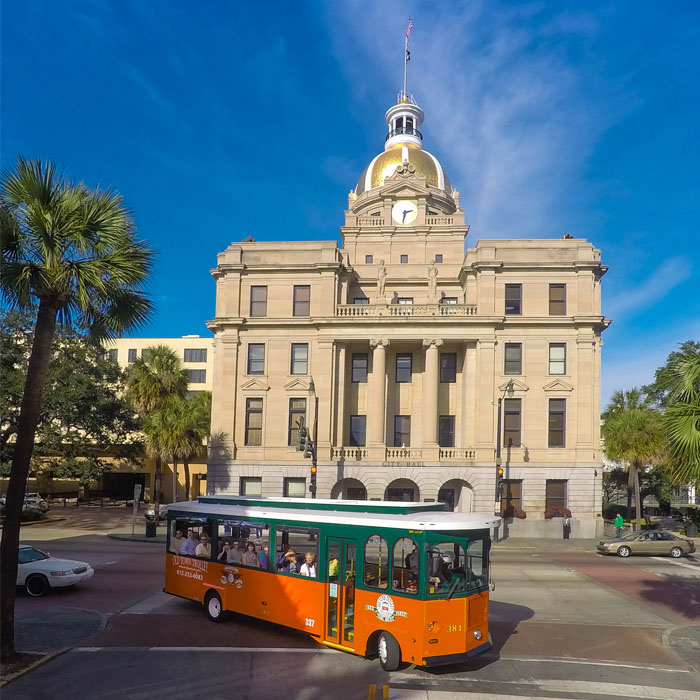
(403, 355)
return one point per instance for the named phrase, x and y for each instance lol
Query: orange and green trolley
(407, 582)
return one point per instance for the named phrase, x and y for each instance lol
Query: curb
(135, 538)
(34, 665)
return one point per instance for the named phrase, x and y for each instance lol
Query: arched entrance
(350, 490)
(457, 495)
(402, 490)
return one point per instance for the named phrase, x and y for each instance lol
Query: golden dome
(384, 165)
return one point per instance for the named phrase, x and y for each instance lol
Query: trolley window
(376, 562)
(446, 569)
(405, 567)
(296, 551)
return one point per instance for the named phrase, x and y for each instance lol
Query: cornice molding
(256, 385)
(558, 385)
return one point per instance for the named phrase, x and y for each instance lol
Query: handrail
(407, 130)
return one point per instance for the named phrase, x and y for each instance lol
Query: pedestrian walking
(619, 522)
(566, 528)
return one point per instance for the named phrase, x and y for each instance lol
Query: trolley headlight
(430, 626)
(477, 634)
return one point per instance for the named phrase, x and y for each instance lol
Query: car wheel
(213, 606)
(676, 553)
(624, 552)
(389, 652)
(36, 585)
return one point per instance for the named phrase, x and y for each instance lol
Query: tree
(194, 420)
(152, 380)
(82, 411)
(633, 436)
(85, 471)
(682, 416)
(69, 254)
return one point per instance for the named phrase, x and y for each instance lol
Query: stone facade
(399, 351)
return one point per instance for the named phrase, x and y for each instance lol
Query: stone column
(340, 428)
(486, 399)
(431, 379)
(377, 409)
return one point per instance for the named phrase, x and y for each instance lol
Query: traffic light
(312, 482)
(499, 480)
(308, 445)
(301, 437)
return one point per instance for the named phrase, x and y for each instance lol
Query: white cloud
(509, 115)
(634, 363)
(652, 290)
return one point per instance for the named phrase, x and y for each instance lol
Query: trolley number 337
(309, 622)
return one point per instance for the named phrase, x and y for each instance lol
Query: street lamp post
(508, 389)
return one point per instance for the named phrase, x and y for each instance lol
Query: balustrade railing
(439, 220)
(370, 221)
(404, 454)
(448, 453)
(349, 453)
(395, 310)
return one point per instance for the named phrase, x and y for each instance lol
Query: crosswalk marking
(666, 560)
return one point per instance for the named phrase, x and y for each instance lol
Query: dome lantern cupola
(403, 120)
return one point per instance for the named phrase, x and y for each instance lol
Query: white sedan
(38, 571)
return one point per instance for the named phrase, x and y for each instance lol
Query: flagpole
(405, 64)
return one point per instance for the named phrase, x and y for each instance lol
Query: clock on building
(404, 212)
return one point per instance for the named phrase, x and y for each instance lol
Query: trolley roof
(323, 504)
(426, 520)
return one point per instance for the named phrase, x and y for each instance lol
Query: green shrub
(32, 515)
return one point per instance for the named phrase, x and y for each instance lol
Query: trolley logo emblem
(385, 610)
(231, 577)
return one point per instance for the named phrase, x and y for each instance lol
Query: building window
(113, 354)
(361, 301)
(194, 354)
(302, 300)
(402, 431)
(356, 493)
(404, 259)
(294, 487)
(405, 495)
(450, 301)
(438, 258)
(253, 422)
(514, 298)
(555, 493)
(256, 358)
(300, 358)
(359, 368)
(369, 259)
(513, 358)
(297, 416)
(404, 362)
(512, 496)
(133, 354)
(557, 423)
(258, 301)
(557, 358)
(251, 486)
(358, 427)
(557, 299)
(511, 422)
(406, 301)
(448, 367)
(447, 431)
(197, 376)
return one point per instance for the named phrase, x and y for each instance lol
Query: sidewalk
(516, 544)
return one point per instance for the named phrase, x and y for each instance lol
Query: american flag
(409, 29)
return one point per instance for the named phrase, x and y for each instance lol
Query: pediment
(298, 385)
(514, 384)
(558, 385)
(401, 187)
(255, 385)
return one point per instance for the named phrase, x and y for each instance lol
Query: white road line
(209, 650)
(666, 560)
(587, 662)
(608, 690)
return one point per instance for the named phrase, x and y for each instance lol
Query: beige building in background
(406, 344)
(195, 353)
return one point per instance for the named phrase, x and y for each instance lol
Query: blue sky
(220, 120)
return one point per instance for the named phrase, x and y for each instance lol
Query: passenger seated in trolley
(308, 568)
(250, 556)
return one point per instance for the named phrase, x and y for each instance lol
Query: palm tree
(633, 436)
(178, 430)
(151, 381)
(682, 417)
(196, 422)
(69, 254)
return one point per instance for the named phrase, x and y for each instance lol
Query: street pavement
(565, 623)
